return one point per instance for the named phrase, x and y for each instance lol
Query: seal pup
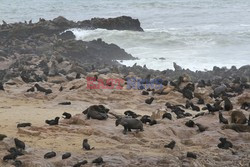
(152, 122)
(19, 144)
(167, 115)
(225, 144)
(227, 104)
(32, 89)
(23, 125)
(2, 136)
(61, 89)
(9, 157)
(194, 107)
(199, 114)
(222, 119)
(238, 117)
(129, 123)
(1, 86)
(149, 101)
(66, 155)
(145, 92)
(190, 123)
(191, 155)
(248, 123)
(201, 128)
(65, 103)
(145, 119)
(131, 113)
(53, 121)
(245, 106)
(17, 163)
(49, 155)
(201, 101)
(79, 164)
(41, 89)
(85, 145)
(66, 115)
(171, 145)
(98, 161)
(14, 150)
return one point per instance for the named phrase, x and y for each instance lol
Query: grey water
(196, 34)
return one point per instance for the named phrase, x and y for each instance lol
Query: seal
(98, 112)
(190, 123)
(227, 104)
(167, 115)
(9, 157)
(129, 123)
(2, 136)
(194, 107)
(131, 113)
(222, 119)
(149, 101)
(85, 145)
(224, 143)
(98, 161)
(53, 121)
(66, 115)
(145, 119)
(171, 145)
(237, 127)
(191, 155)
(32, 89)
(49, 155)
(66, 155)
(65, 103)
(23, 125)
(245, 106)
(238, 117)
(201, 128)
(41, 89)
(79, 164)
(1, 86)
(19, 144)
(145, 92)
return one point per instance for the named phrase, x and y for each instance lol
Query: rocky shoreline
(44, 72)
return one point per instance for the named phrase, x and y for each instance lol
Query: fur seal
(9, 157)
(238, 117)
(17, 163)
(85, 145)
(224, 143)
(190, 123)
(171, 145)
(199, 114)
(167, 115)
(66, 155)
(222, 119)
(98, 112)
(201, 128)
(145, 119)
(19, 144)
(65, 103)
(41, 89)
(245, 106)
(145, 92)
(149, 101)
(129, 123)
(23, 125)
(2, 136)
(1, 86)
(66, 115)
(49, 155)
(53, 121)
(227, 104)
(194, 107)
(152, 122)
(187, 93)
(201, 84)
(98, 161)
(237, 127)
(79, 164)
(248, 123)
(201, 101)
(61, 89)
(14, 150)
(191, 155)
(219, 90)
(32, 89)
(131, 113)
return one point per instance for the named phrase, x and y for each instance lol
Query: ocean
(196, 34)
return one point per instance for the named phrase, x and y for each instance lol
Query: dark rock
(65, 103)
(23, 125)
(67, 35)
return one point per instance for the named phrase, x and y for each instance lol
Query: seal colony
(194, 119)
